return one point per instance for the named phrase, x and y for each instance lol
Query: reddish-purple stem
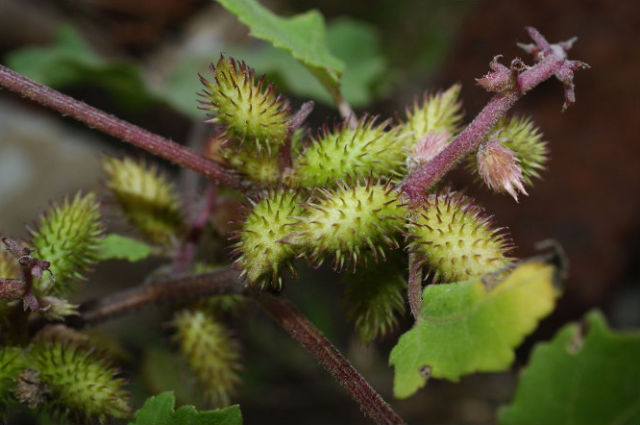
(284, 155)
(310, 337)
(185, 254)
(551, 59)
(118, 128)
(415, 285)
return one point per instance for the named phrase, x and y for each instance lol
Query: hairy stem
(551, 61)
(415, 285)
(118, 128)
(185, 254)
(218, 282)
(285, 157)
(304, 332)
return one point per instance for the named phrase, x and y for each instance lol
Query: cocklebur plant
(359, 196)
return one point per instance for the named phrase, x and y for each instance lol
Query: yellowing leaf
(472, 326)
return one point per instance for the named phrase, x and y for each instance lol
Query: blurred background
(139, 60)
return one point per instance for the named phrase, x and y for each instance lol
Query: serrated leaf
(303, 36)
(466, 327)
(121, 247)
(159, 410)
(580, 379)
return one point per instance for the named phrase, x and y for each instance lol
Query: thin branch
(218, 282)
(284, 154)
(415, 285)
(511, 86)
(304, 332)
(118, 128)
(185, 254)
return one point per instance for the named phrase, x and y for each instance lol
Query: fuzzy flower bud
(498, 167)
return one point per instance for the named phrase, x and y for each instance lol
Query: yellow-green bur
(211, 354)
(438, 112)
(248, 110)
(261, 252)
(465, 327)
(454, 240)
(83, 385)
(348, 219)
(147, 198)
(344, 151)
(68, 236)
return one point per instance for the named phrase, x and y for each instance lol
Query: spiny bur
(362, 215)
(11, 364)
(249, 111)
(454, 240)
(260, 251)
(525, 139)
(211, 353)
(431, 124)
(147, 198)
(337, 153)
(83, 385)
(375, 296)
(68, 236)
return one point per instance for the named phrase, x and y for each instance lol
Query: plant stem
(415, 285)
(552, 60)
(303, 331)
(118, 128)
(185, 254)
(218, 282)
(284, 154)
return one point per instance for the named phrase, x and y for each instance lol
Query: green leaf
(303, 36)
(472, 326)
(122, 247)
(580, 379)
(159, 410)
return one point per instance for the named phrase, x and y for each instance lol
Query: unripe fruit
(243, 107)
(348, 219)
(375, 296)
(211, 353)
(147, 198)
(522, 136)
(68, 237)
(261, 254)
(454, 240)
(439, 112)
(82, 384)
(337, 153)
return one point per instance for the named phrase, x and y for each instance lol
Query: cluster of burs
(339, 198)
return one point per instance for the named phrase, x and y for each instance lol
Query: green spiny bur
(261, 254)
(211, 353)
(251, 113)
(11, 364)
(257, 166)
(83, 385)
(438, 112)
(375, 296)
(521, 136)
(346, 220)
(342, 151)
(68, 236)
(147, 198)
(455, 240)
